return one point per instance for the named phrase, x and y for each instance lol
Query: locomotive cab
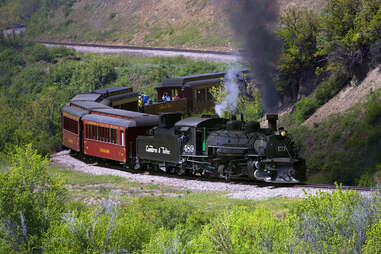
(194, 132)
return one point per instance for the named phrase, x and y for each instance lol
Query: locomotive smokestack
(272, 118)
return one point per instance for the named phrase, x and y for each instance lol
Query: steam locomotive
(212, 146)
(102, 124)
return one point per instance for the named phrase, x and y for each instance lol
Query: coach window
(113, 136)
(71, 125)
(107, 135)
(122, 137)
(93, 132)
(102, 134)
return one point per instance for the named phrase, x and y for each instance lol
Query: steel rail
(117, 166)
(177, 50)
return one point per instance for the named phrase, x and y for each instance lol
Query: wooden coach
(71, 127)
(193, 91)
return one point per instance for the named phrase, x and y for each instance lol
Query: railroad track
(193, 53)
(334, 187)
(140, 48)
(244, 181)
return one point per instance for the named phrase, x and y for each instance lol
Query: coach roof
(181, 81)
(74, 111)
(113, 90)
(86, 97)
(89, 105)
(109, 120)
(141, 119)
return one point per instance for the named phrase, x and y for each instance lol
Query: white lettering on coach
(188, 149)
(160, 150)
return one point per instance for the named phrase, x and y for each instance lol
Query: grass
(86, 187)
(80, 178)
(93, 189)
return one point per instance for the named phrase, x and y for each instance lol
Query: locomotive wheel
(251, 169)
(250, 173)
(180, 171)
(221, 172)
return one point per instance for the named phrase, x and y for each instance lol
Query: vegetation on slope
(327, 51)
(38, 216)
(321, 55)
(200, 24)
(345, 147)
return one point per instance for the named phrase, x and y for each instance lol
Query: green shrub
(30, 201)
(366, 179)
(373, 241)
(59, 52)
(305, 108)
(67, 7)
(240, 231)
(37, 52)
(104, 230)
(373, 111)
(333, 222)
(324, 92)
(171, 242)
(167, 213)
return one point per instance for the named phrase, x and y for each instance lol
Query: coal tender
(212, 146)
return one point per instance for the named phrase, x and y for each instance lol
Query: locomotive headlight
(283, 133)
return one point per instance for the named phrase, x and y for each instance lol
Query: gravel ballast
(233, 190)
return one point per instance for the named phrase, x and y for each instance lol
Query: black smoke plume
(253, 22)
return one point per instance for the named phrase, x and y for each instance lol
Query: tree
(30, 201)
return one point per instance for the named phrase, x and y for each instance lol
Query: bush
(334, 223)
(305, 108)
(171, 242)
(104, 230)
(373, 111)
(30, 201)
(167, 213)
(59, 52)
(37, 52)
(373, 241)
(240, 231)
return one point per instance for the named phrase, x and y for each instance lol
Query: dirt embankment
(347, 98)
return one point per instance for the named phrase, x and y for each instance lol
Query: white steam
(231, 86)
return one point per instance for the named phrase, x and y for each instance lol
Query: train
(103, 124)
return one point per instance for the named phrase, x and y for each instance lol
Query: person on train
(149, 101)
(144, 98)
(166, 97)
(140, 104)
(176, 97)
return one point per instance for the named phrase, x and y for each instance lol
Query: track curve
(220, 56)
(235, 189)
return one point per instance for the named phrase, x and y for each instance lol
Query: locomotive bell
(272, 118)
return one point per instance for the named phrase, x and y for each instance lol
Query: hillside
(347, 98)
(200, 24)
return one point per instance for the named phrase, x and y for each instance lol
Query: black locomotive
(221, 148)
